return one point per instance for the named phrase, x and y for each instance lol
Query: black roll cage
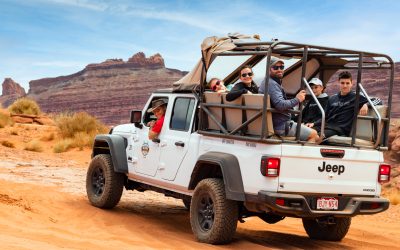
(356, 60)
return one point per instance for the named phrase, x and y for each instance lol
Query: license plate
(327, 203)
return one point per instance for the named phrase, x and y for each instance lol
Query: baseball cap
(275, 60)
(316, 81)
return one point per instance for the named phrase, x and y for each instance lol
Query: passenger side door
(177, 137)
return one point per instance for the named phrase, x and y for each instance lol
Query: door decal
(145, 149)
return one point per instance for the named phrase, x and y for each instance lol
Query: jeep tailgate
(304, 169)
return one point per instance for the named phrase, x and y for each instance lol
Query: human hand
(364, 110)
(301, 96)
(310, 125)
(151, 123)
(222, 88)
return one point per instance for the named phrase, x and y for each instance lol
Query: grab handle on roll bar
(379, 134)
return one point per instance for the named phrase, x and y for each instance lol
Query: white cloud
(96, 6)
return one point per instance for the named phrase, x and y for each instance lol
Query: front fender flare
(116, 147)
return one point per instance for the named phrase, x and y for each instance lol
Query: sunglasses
(250, 74)
(278, 67)
(216, 85)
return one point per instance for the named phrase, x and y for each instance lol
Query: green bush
(25, 106)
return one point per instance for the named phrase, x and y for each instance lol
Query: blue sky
(49, 38)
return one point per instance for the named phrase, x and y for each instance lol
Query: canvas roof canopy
(210, 46)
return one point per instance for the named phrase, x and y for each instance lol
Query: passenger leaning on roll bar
(283, 125)
(340, 108)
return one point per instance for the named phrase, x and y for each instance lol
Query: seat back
(213, 98)
(365, 128)
(256, 100)
(233, 117)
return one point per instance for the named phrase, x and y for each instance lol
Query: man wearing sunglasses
(283, 125)
(245, 86)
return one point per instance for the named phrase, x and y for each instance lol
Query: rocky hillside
(107, 90)
(11, 92)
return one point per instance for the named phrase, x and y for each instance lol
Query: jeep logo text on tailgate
(331, 168)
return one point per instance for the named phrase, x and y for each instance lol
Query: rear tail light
(280, 202)
(384, 173)
(270, 166)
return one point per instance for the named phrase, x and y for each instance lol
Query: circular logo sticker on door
(145, 149)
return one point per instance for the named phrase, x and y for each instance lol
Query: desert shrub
(34, 145)
(48, 137)
(72, 124)
(8, 144)
(5, 120)
(81, 140)
(62, 146)
(394, 197)
(25, 106)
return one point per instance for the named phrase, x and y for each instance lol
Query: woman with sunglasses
(216, 85)
(245, 86)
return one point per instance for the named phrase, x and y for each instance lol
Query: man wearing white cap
(311, 112)
(283, 125)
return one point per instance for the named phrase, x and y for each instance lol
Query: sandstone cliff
(11, 91)
(107, 90)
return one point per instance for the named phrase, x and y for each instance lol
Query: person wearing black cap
(283, 125)
(158, 107)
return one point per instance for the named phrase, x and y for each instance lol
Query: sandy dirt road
(43, 206)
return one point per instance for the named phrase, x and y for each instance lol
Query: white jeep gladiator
(224, 161)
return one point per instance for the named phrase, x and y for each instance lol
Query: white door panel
(176, 137)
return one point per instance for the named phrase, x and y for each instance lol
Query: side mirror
(136, 118)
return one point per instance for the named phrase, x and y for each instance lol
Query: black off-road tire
(330, 232)
(186, 202)
(213, 218)
(103, 186)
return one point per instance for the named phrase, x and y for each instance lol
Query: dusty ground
(43, 206)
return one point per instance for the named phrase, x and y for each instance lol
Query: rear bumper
(296, 205)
